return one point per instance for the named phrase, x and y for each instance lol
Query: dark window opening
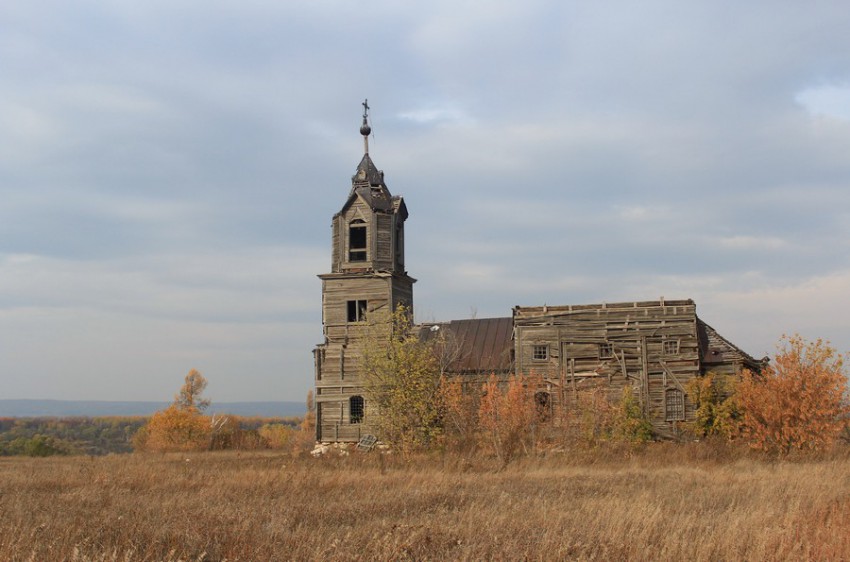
(357, 240)
(356, 407)
(543, 406)
(674, 405)
(356, 311)
(540, 353)
(606, 350)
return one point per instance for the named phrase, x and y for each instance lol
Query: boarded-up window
(357, 311)
(540, 352)
(355, 409)
(606, 350)
(674, 404)
(357, 240)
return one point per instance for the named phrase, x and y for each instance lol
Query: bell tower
(367, 275)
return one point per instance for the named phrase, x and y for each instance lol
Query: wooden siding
(338, 368)
(575, 337)
(383, 242)
(334, 414)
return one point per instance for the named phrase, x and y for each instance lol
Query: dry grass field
(665, 502)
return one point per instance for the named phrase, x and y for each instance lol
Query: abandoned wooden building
(655, 347)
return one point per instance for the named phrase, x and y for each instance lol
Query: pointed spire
(367, 174)
(365, 129)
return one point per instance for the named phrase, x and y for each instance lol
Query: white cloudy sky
(168, 171)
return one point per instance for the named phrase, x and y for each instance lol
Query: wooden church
(655, 347)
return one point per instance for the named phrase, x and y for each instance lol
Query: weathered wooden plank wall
(652, 346)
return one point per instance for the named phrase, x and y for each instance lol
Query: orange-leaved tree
(798, 403)
(507, 417)
(460, 414)
(182, 426)
(189, 397)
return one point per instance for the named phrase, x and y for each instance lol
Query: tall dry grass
(664, 502)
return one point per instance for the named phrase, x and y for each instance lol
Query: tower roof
(368, 180)
(367, 174)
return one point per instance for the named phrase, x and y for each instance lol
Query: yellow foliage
(189, 397)
(716, 406)
(174, 429)
(181, 426)
(630, 424)
(402, 381)
(276, 435)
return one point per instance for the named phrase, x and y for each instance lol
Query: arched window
(674, 404)
(357, 240)
(356, 406)
(543, 406)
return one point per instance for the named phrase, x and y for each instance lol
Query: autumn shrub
(174, 429)
(304, 439)
(275, 435)
(459, 415)
(228, 432)
(798, 403)
(506, 416)
(630, 423)
(401, 373)
(181, 426)
(716, 411)
(589, 417)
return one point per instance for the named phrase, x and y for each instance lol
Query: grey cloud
(171, 170)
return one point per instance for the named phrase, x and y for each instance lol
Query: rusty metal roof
(478, 345)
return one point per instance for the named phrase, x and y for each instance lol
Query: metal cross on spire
(365, 129)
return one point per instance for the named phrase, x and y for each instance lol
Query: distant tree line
(63, 436)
